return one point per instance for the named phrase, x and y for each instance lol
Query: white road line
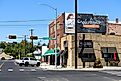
(15, 63)
(10, 70)
(65, 79)
(113, 73)
(33, 70)
(41, 77)
(110, 79)
(93, 74)
(21, 70)
(2, 65)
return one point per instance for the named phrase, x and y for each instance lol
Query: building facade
(97, 38)
(92, 46)
(114, 27)
(60, 31)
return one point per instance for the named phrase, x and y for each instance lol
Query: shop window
(88, 57)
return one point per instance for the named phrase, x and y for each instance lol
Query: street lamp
(76, 34)
(55, 31)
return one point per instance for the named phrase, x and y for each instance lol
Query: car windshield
(33, 59)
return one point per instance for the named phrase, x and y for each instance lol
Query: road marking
(113, 72)
(93, 74)
(2, 65)
(33, 70)
(41, 77)
(10, 70)
(110, 79)
(15, 63)
(65, 79)
(21, 70)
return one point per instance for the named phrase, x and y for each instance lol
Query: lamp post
(55, 9)
(76, 34)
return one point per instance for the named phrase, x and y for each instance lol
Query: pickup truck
(28, 61)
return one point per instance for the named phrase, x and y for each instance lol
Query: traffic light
(12, 36)
(33, 37)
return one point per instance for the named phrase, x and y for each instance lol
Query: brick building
(60, 31)
(114, 27)
(94, 31)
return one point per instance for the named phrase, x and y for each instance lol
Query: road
(12, 72)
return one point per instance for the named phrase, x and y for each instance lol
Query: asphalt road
(12, 72)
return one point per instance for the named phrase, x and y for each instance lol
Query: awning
(87, 50)
(49, 52)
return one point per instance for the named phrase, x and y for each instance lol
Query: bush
(97, 64)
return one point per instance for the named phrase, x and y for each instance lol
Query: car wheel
(32, 65)
(20, 64)
(26, 64)
(38, 64)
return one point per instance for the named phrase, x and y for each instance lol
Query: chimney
(117, 20)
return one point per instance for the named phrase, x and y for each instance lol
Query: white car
(28, 61)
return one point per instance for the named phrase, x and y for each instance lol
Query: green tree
(2, 45)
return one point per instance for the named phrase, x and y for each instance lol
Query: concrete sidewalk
(52, 67)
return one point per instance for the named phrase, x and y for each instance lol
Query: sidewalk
(59, 68)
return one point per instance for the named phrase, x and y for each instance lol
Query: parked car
(3, 58)
(28, 61)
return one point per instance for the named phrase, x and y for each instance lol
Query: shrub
(97, 63)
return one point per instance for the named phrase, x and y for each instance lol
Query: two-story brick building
(95, 34)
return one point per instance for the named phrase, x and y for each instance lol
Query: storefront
(91, 47)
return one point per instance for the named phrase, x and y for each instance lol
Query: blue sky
(23, 10)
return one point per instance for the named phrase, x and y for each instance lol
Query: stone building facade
(100, 42)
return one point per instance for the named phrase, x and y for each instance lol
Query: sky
(27, 10)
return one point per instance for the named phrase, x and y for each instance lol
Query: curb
(87, 69)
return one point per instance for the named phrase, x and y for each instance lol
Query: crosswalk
(21, 70)
(52, 79)
(116, 73)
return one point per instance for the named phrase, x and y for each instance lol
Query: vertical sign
(69, 23)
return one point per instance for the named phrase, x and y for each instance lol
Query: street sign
(48, 38)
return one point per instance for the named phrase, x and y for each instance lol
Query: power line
(23, 25)
(26, 20)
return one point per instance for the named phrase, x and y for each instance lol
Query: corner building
(94, 40)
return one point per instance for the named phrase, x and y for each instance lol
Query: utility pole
(25, 43)
(76, 34)
(31, 30)
(55, 9)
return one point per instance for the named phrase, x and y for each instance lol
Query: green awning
(56, 48)
(49, 52)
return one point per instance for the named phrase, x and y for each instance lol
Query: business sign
(69, 23)
(89, 23)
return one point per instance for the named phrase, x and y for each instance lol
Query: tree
(2, 45)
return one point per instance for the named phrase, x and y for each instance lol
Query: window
(32, 59)
(26, 59)
(88, 57)
(58, 25)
